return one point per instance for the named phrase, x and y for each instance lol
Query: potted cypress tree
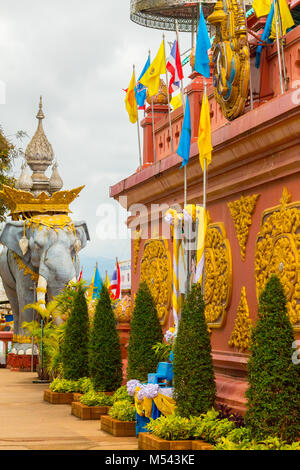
(76, 339)
(105, 360)
(145, 332)
(194, 379)
(274, 381)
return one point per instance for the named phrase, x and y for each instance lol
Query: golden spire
(39, 155)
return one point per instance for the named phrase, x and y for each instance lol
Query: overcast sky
(78, 55)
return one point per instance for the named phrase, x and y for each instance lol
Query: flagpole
(278, 48)
(204, 197)
(138, 127)
(183, 107)
(152, 112)
(282, 49)
(167, 81)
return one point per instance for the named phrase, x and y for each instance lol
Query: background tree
(105, 360)
(145, 332)
(75, 363)
(194, 379)
(273, 394)
(8, 154)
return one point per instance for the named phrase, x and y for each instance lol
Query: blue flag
(141, 90)
(97, 285)
(185, 139)
(265, 36)
(202, 46)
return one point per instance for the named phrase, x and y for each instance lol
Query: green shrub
(145, 332)
(122, 394)
(85, 385)
(272, 443)
(274, 381)
(93, 398)
(195, 388)
(210, 429)
(123, 411)
(64, 386)
(171, 428)
(105, 360)
(76, 340)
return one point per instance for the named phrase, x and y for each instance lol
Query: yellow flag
(151, 79)
(130, 101)
(176, 101)
(204, 135)
(286, 18)
(261, 7)
(107, 282)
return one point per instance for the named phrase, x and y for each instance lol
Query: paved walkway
(29, 423)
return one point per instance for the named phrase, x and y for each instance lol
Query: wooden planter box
(58, 398)
(118, 428)
(77, 396)
(88, 412)
(201, 445)
(149, 442)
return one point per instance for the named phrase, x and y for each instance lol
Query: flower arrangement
(148, 391)
(131, 386)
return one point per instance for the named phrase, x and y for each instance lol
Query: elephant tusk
(41, 291)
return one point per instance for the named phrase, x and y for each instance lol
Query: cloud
(79, 56)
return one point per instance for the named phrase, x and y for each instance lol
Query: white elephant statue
(36, 263)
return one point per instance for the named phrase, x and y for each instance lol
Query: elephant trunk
(41, 291)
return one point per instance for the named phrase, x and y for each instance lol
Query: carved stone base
(21, 362)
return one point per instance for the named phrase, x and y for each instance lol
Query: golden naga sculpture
(218, 275)
(278, 252)
(231, 57)
(241, 334)
(157, 273)
(241, 211)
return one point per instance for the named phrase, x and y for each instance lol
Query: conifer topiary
(273, 393)
(76, 339)
(105, 360)
(194, 379)
(145, 332)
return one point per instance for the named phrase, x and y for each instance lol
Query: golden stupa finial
(40, 115)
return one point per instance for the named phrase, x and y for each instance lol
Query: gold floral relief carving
(136, 246)
(218, 275)
(157, 273)
(241, 334)
(278, 252)
(241, 211)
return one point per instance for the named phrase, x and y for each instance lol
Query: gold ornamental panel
(231, 57)
(157, 273)
(278, 252)
(218, 275)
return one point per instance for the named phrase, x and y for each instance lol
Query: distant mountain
(104, 264)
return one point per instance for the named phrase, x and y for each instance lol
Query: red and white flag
(175, 68)
(115, 283)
